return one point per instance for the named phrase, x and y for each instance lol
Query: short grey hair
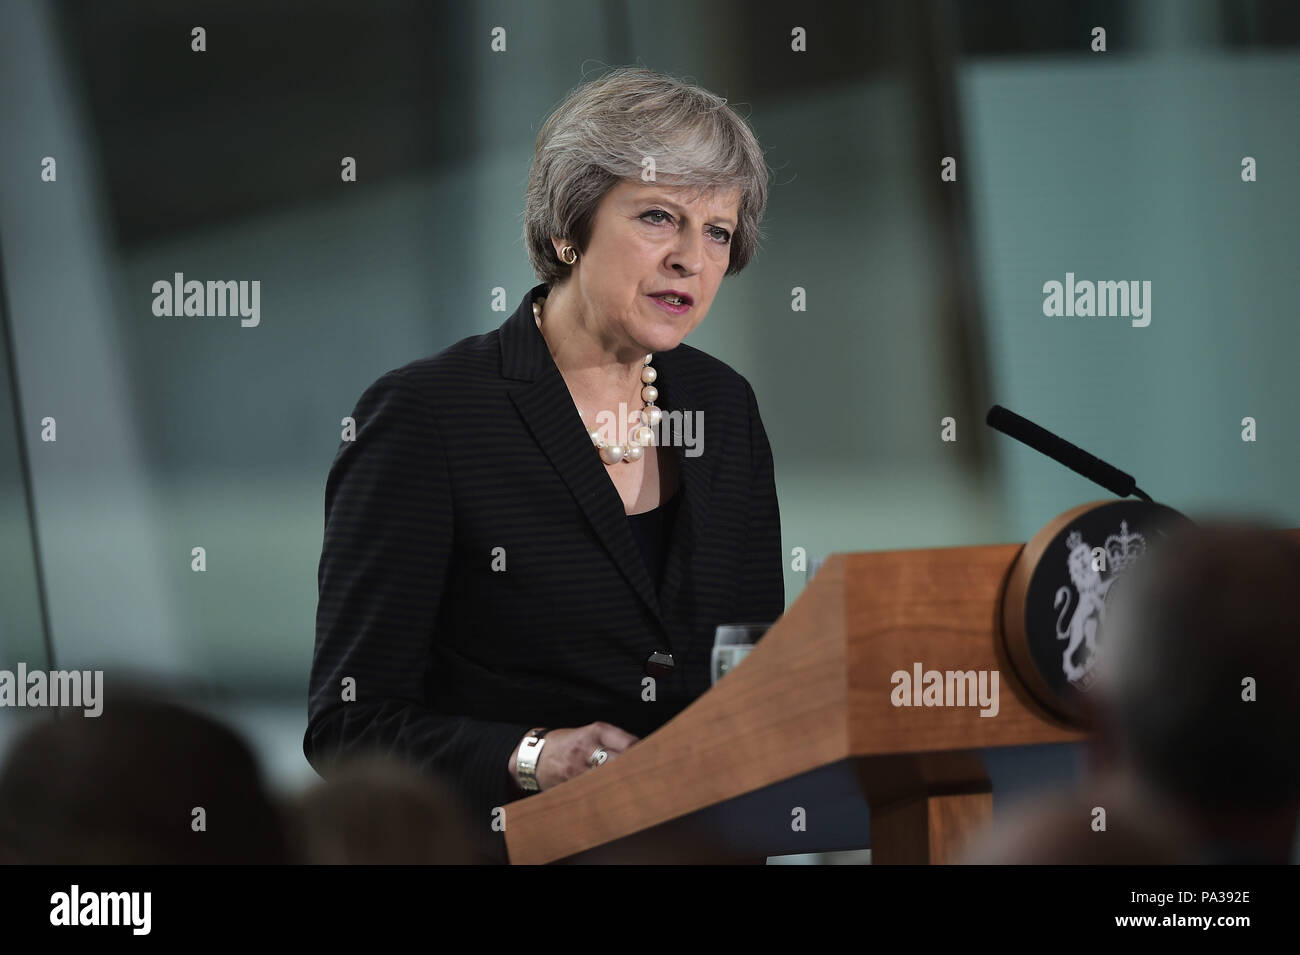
(600, 135)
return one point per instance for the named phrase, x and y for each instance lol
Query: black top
(653, 530)
(479, 576)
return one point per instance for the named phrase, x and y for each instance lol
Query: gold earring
(568, 249)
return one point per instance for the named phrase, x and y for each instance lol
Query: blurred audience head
(146, 782)
(1199, 697)
(1105, 822)
(372, 810)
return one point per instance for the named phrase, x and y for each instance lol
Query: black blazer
(480, 447)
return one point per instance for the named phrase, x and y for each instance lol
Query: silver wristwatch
(530, 750)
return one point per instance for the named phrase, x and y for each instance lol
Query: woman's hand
(566, 751)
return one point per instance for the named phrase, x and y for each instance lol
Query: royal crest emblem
(1092, 575)
(1061, 590)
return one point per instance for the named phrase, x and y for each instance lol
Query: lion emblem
(1088, 614)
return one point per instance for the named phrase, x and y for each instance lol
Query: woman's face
(648, 238)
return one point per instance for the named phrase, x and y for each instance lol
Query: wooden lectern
(806, 722)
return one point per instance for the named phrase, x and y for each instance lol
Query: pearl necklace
(647, 418)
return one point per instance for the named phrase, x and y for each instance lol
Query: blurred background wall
(924, 297)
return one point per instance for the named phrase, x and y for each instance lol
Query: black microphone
(1058, 449)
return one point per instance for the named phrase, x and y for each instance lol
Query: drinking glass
(731, 643)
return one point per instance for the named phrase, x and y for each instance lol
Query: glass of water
(731, 643)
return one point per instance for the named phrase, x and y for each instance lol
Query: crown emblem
(1124, 549)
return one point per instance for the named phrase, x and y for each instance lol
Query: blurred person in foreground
(1196, 714)
(1061, 828)
(126, 787)
(535, 533)
(378, 811)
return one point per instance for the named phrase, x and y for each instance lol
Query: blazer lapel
(548, 410)
(695, 473)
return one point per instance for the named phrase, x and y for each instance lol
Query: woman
(502, 563)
